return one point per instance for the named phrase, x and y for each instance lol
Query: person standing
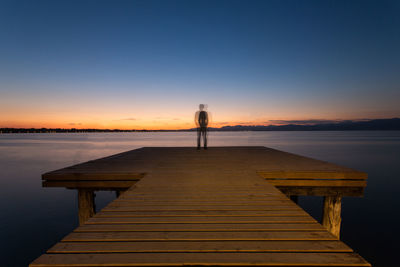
(201, 120)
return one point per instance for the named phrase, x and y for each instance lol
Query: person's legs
(198, 137)
(205, 137)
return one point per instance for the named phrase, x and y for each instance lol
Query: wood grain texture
(196, 236)
(339, 174)
(86, 205)
(208, 259)
(319, 183)
(231, 227)
(331, 218)
(204, 246)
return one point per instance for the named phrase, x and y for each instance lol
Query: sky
(149, 64)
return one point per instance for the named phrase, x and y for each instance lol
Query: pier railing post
(86, 205)
(331, 215)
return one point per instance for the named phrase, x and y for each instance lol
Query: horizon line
(305, 124)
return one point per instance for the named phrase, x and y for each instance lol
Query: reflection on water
(34, 218)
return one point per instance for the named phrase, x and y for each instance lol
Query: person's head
(201, 106)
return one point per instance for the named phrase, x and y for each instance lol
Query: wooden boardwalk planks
(195, 208)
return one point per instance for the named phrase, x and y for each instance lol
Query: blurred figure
(201, 120)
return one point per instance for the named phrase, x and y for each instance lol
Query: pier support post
(86, 205)
(331, 215)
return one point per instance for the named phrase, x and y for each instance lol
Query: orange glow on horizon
(153, 117)
(146, 124)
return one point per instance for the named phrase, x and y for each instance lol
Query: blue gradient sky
(148, 64)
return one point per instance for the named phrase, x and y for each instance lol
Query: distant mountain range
(364, 125)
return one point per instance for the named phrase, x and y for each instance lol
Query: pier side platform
(209, 207)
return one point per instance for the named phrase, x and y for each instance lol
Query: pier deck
(189, 207)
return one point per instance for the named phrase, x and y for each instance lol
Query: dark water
(34, 218)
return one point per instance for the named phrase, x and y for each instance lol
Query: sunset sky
(149, 64)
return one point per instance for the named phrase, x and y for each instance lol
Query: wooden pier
(221, 206)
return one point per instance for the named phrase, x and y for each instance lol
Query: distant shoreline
(367, 125)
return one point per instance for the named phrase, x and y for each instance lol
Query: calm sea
(34, 218)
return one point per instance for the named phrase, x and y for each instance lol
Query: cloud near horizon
(127, 119)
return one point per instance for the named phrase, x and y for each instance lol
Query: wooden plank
(231, 227)
(180, 259)
(97, 176)
(157, 201)
(196, 213)
(203, 219)
(310, 174)
(322, 191)
(183, 194)
(204, 246)
(195, 236)
(195, 216)
(111, 208)
(200, 199)
(105, 185)
(211, 196)
(245, 189)
(259, 190)
(205, 203)
(205, 191)
(316, 183)
(200, 204)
